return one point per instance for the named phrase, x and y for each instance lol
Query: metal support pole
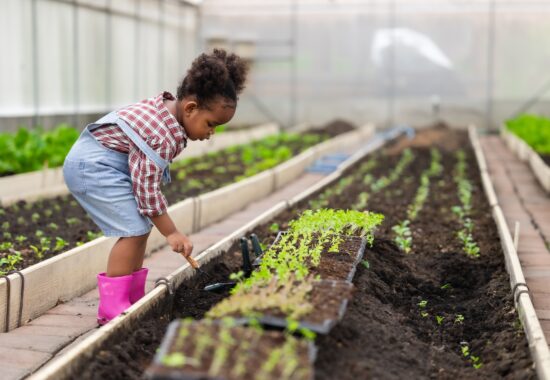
(108, 54)
(34, 63)
(294, 63)
(160, 67)
(490, 63)
(76, 63)
(136, 63)
(392, 68)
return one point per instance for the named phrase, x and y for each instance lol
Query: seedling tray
(256, 346)
(336, 297)
(327, 255)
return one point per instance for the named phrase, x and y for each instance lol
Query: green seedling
(6, 226)
(39, 251)
(459, 318)
(53, 226)
(35, 217)
(5, 246)
(274, 227)
(20, 238)
(439, 319)
(446, 286)
(21, 220)
(72, 221)
(403, 237)
(60, 244)
(422, 304)
(366, 264)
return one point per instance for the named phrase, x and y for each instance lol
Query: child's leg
(127, 255)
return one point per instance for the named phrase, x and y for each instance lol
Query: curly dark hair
(214, 74)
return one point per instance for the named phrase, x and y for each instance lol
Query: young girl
(115, 168)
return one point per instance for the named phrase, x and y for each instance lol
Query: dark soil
(545, 158)
(27, 224)
(388, 332)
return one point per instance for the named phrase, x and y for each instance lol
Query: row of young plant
(534, 130)
(363, 174)
(281, 285)
(31, 232)
(464, 210)
(403, 235)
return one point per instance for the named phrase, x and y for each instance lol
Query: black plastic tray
(358, 257)
(319, 328)
(179, 374)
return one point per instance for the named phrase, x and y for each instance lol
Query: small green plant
(72, 221)
(439, 319)
(39, 251)
(35, 217)
(366, 264)
(459, 318)
(5, 246)
(9, 262)
(274, 227)
(403, 237)
(60, 244)
(53, 226)
(20, 238)
(422, 304)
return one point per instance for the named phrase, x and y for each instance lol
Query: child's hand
(180, 243)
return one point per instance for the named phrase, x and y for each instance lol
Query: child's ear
(189, 107)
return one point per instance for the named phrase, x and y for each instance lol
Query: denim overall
(99, 179)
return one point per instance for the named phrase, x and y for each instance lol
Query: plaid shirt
(161, 131)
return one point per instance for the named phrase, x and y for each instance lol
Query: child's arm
(178, 241)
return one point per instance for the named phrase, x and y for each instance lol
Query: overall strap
(110, 118)
(145, 148)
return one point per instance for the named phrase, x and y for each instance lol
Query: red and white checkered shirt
(161, 131)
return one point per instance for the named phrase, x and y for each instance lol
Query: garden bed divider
(525, 153)
(48, 183)
(531, 325)
(67, 366)
(73, 273)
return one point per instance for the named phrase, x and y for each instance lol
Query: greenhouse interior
(319, 189)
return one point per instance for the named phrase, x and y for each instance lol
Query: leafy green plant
(28, 150)
(534, 130)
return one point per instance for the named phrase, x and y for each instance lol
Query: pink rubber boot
(137, 290)
(114, 296)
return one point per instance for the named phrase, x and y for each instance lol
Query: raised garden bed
(528, 136)
(436, 312)
(219, 349)
(48, 182)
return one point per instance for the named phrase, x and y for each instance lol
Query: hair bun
(217, 73)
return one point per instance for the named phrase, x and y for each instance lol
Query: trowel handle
(192, 262)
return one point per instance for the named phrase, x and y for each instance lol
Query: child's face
(200, 123)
